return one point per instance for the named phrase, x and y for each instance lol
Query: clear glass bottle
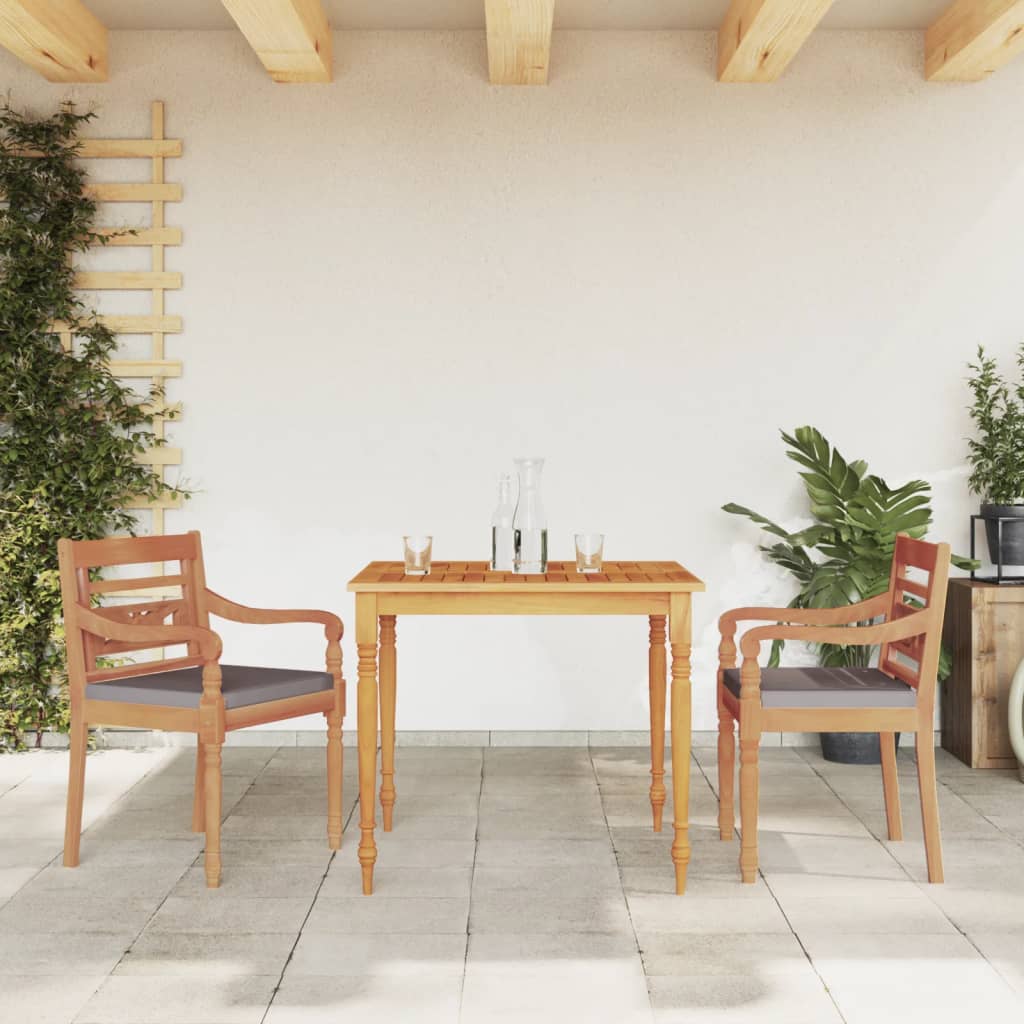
(503, 547)
(530, 523)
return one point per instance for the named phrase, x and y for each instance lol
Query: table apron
(481, 603)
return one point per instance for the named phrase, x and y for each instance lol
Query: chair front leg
(211, 736)
(76, 789)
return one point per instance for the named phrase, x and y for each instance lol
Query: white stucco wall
(397, 282)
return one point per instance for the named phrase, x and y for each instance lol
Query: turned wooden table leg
(387, 718)
(366, 722)
(656, 683)
(679, 635)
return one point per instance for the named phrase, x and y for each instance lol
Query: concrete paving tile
(579, 801)
(46, 999)
(610, 991)
(1005, 952)
(705, 914)
(79, 953)
(909, 976)
(99, 880)
(218, 955)
(299, 881)
(60, 914)
(108, 852)
(544, 947)
(388, 880)
(369, 999)
(854, 915)
(531, 825)
(13, 879)
(216, 911)
(359, 914)
(236, 999)
(399, 851)
(548, 880)
(281, 826)
(318, 954)
(280, 852)
(797, 998)
(564, 786)
(424, 826)
(552, 852)
(502, 912)
(707, 954)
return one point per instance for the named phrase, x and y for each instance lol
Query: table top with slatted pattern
(452, 577)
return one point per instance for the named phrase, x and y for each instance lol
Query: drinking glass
(417, 555)
(589, 551)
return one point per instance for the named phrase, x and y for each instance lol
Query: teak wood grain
(96, 631)
(660, 590)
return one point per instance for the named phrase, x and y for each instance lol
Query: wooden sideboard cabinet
(984, 633)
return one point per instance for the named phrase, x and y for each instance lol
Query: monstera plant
(844, 556)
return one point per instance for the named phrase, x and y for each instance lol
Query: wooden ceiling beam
(972, 39)
(62, 39)
(519, 40)
(291, 37)
(758, 38)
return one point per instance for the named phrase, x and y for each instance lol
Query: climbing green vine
(70, 431)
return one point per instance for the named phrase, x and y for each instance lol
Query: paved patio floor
(518, 885)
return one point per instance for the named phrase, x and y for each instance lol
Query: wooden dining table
(659, 590)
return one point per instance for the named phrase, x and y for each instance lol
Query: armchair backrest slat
(915, 660)
(176, 597)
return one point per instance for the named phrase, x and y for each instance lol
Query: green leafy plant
(997, 454)
(70, 431)
(845, 555)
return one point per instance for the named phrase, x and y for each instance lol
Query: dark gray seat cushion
(241, 686)
(826, 688)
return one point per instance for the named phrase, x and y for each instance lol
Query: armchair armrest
(806, 616)
(333, 627)
(883, 632)
(99, 625)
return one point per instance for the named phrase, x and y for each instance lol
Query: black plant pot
(853, 747)
(1013, 533)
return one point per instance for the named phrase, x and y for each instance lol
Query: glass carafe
(530, 524)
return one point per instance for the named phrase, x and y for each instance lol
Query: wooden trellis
(155, 236)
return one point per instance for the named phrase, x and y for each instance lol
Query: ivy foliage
(845, 556)
(996, 455)
(70, 431)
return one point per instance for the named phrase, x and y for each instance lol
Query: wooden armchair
(898, 696)
(190, 693)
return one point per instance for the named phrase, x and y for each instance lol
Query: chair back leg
(199, 794)
(726, 769)
(212, 785)
(76, 791)
(929, 802)
(891, 785)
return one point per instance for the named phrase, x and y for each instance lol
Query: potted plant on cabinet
(845, 555)
(997, 456)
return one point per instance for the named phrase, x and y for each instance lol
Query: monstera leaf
(846, 555)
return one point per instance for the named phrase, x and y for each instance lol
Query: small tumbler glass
(417, 555)
(589, 551)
